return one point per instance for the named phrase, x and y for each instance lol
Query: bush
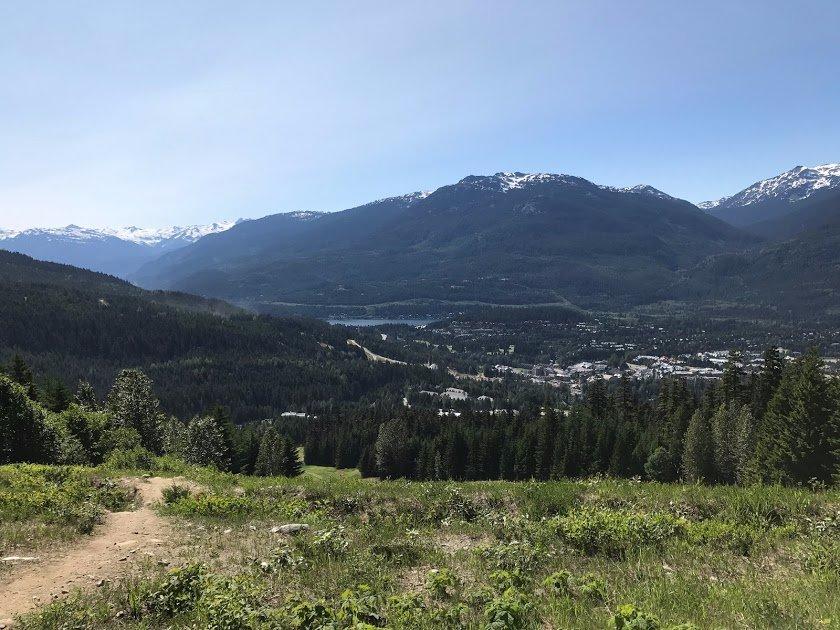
(137, 458)
(628, 617)
(613, 533)
(174, 493)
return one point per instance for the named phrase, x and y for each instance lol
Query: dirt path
(123, 539)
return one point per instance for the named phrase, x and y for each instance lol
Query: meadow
(594, 553)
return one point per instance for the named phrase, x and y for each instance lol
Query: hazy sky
(153, 113)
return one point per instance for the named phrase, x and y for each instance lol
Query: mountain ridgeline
(507, 238)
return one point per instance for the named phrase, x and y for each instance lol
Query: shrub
(628, 617)
(137, 458)
(441, 582)
(174, 493)
(509, 611)
(613, 533)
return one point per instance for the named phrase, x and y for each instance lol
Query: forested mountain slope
(510, 237)
(75, 324)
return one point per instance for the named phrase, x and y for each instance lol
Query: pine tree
(798, 436)
(698, 452)
(767, 382)
(724, 433)
(270, 457)
(733, 374)
(744, 444)
(24, 435)
(291, 464)
(56, 396)
(20, 373)
(132, 404)
(205, 443)
(85, 396)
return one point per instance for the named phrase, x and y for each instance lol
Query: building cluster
(699, 365)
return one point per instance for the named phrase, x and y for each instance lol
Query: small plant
(441, 583)
(509, 611)
(628, 617)
(179, 592)
(174, 493)
(559, 582)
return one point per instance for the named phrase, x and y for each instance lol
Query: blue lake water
(370, 321)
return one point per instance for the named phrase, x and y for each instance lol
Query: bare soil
(124, 539)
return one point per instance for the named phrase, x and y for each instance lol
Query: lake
(371, 321)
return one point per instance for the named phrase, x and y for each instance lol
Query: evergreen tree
(24, 434)
(724, 434)
(270, 457)
(291, 465)
(85, 396)
(20, 373)
(744, 444)
(132, 404)
(798, 436)
(698, 452)
(56, 397)
(767, 382)
(393, 453)
(733, 375)
(205, 443)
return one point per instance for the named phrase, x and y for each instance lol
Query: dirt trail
(123, 539)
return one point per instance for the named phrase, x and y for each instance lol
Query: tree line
(128, 429)
(780, 424)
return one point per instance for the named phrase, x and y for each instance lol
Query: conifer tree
(733, 375)
(270, 457)
(132, 404)
(798, 436)
(724, 433)
(20, 373)
(698, 452)
(290, 461)
(744, 444)
(85, 396)
(205, 443)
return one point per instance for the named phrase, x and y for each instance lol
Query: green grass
(565, 554)
(42, 504)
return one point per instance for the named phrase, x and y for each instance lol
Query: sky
(159, 113)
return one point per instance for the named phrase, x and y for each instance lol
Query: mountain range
(517, 238)
(118, 252)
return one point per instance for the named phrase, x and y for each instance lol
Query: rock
(291, 528)
(163, 563)
(100, 583)
(227, 531)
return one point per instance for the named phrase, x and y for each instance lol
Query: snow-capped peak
(142, 236)
(639, 189)
(506, 181)
(791, 186)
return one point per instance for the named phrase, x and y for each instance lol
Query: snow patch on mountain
(791, 186)
(141, 236)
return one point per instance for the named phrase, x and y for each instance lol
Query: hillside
(115, 251)
(593, 553)
(775, 197)
(73, 324)
(509, 238)
(822, 210)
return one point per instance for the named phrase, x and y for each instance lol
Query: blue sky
(154, 113)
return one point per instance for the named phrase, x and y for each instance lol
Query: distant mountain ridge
(510, 237)
(116, 251)
(776, 196)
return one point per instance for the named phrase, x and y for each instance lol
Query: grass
(44, 504)
(566, 554)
